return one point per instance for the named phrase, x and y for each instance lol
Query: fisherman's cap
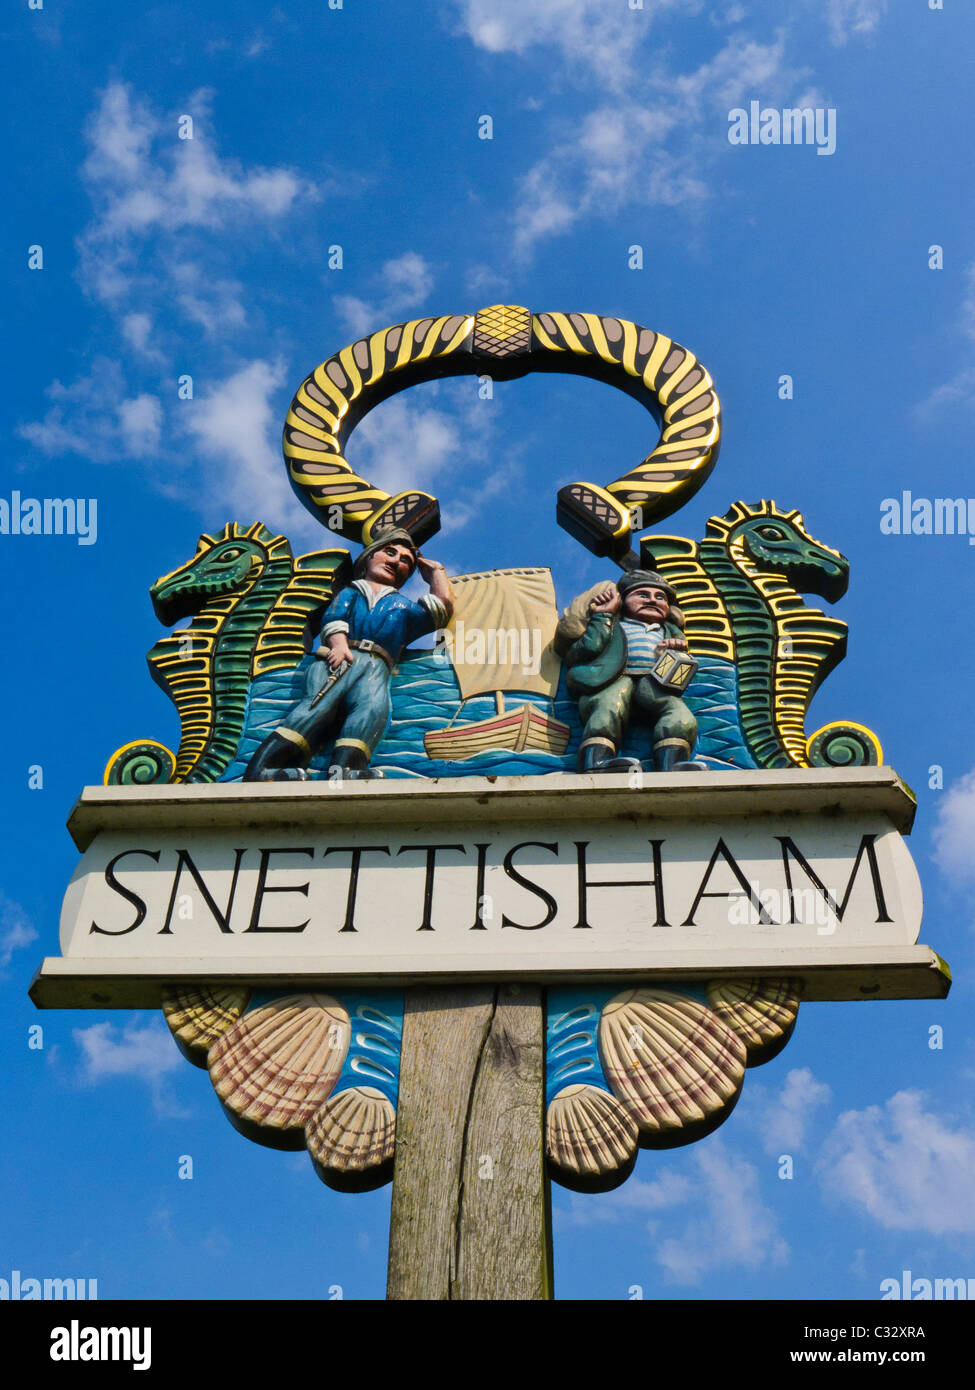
(645, 579)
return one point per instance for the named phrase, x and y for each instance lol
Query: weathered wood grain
(504, 1246)
(470, 1214)
(444, 1030)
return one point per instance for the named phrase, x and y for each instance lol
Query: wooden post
(470, 1216)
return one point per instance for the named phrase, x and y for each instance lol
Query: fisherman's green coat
(595, 676)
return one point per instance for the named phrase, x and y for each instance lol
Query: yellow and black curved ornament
(506, 341)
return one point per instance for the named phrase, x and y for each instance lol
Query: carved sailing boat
(500, 639)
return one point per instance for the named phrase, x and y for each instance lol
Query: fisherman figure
(365, 628)
(610, 672)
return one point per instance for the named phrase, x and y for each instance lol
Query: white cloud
(408, 277)
(402, 284)
(216, 1243)
(137, 332)
(959, 389)
(653, 147)
(167, 211)
(726, 1226)
(162, 1218)
(120, 134)
(405, 443)
(140, 423)
(146, 1051)
(908, 1168)
(168, 216)
(732, 1228)
(657, 132)
(84, 416)
(668, 1190)
(741, 69)
(487, 284)
(212, 301)
(94, 418)
(15, 930)
(360, 317)
(954, 832)
(143, 1051)
(445, 448)
(144, 180)
(237, 428)
(234, 428)
(546, 206)
(782, 1118)
(584, 32)
(854, 18)
(635, 1195)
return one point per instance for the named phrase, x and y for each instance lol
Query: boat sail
(500, 639)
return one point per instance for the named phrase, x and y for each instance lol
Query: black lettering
(722, 849)
(426, 924)
(479, 924)
(535, 888)
(866, 847)
(357, 851)
(133, 898)
(262, 889)
(656, 883)
(222, 918)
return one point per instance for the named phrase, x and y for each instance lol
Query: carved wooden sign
(385, 883)
(542, 889)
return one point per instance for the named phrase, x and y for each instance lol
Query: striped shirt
(641, 645)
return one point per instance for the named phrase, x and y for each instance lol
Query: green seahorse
(255, 608)
(739, 590)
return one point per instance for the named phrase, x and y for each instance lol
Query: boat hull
(517, 731)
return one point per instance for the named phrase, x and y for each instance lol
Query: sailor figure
(365, 629)
(612, 674)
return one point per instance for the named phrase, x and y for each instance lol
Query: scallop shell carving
(199, 1015)
(277, 1065)
(761, 1012)
(589, 1135)
(672, 1062)
(352, 1133)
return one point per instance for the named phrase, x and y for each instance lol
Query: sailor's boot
(349, 763)
(601, 757)
(672, 757)
(278, 759)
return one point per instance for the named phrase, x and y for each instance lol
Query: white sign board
(533, 878)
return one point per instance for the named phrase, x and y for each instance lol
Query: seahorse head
(227, 563)
(777, 542)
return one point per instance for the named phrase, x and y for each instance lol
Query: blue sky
(358, 127)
